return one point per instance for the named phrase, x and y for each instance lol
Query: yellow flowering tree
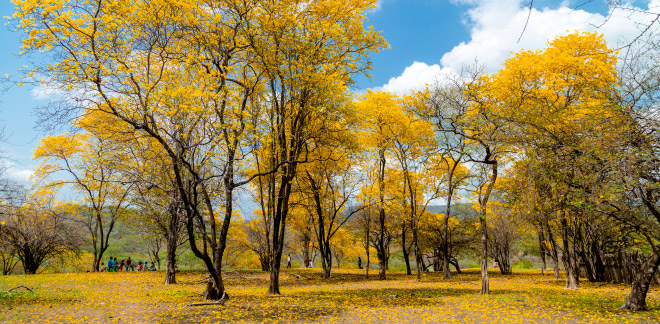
(199, 77)
(82, 163)
(558, 102)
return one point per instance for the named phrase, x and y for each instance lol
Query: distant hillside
(458, 209)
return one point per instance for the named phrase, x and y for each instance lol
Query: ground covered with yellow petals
(524, 297)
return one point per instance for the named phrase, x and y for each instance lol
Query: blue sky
(16, 102)
(417, 30)
(428, 38)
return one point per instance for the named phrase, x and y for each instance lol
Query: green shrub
(523, 264)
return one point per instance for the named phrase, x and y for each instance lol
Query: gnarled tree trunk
(636, 300)
(170, 261)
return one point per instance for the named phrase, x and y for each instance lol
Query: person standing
(359, 263)
(288, 261)
(111, 265)
(128, 264)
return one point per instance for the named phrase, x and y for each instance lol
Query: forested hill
(458, 209)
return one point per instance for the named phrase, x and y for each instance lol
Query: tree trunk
(278, 237)
(8, 263)
(327, 266)
(485, 287)
(306, 257)
(589, 269)
(387, 258)
(572, 281)
(455, 264)
(276, 255)
(30, 263)
(170, 261)
(214, 292)
(406, 253)
(504, 257)
(96, 265)
(215, 287)
(156, 258)
(368, 264)
(572, 277)
(553, 253)
(323, 237)
(599, 265)
(418, 258)
(382, 269)
(406, 257)
(264, 260)
(274, 287)
(436, 260)
(446, 274)
(279, 218)
(326, 255)
(380, 247)
(367, 229)
(381, 254)
(542, 251)
(636, 300)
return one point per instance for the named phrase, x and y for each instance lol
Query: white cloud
(46, 92)
(496, 26)
(415, 76)
(19, 174)
(379, 4)
(15, 172)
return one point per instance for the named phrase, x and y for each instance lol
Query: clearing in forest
(136, 297)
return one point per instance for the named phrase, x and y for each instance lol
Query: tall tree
(415, 149)
(308, 54)
(545, 97)
(468, 117)
(83, 163)
(382, 112)
(327, 187)
(447, 103)
(640, 169)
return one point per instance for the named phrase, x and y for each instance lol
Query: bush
(523, 264)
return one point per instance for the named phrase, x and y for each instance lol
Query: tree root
(220, 301)
(8, 292)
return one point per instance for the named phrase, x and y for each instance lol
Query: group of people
(288, 262)
(114, 266)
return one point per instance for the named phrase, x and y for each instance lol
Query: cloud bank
(496, 26)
